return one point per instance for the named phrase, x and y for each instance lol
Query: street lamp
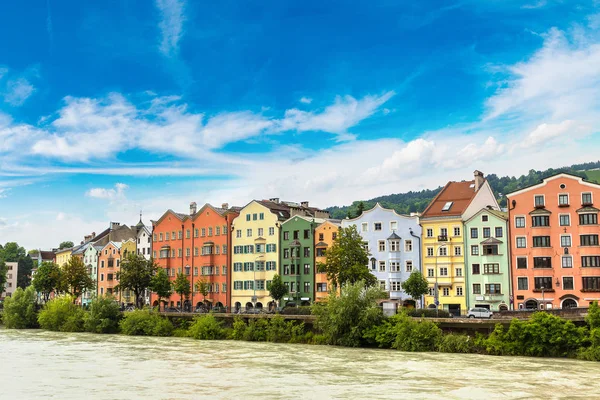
(436, 288)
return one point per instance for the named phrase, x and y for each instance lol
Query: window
(430, 252)
(381, 245)
(248, 285)
(237, 267)
(443, 251)
(486, 232)
(474, 233)
(261, 216)
(286, 235)
(431, 291)
(568, 283)
(444, 232)
(490, 249)
(394, 245)
(446, 291)
(588, 219)
(458, 272)
(519, 222)
(484, 218)
(589, 240)
(409, 266)
(499, 232)
(477, 288)
(248, 232)
(217, 230)
(203, 232)
(237, 285)
(333, 235)
(271, 231)
(476, 269)
(393, 225)
(567, 262)
(456, 231)
(429, 232)
(447, 206)
(260, 284)
(590, 261)
(457, 250)
(491, 268)
(540, 220)
(408, 246)
(586, 198)
(522, 283)
(307, 234)
(167, 236)
(306, 269)
(248, 217)
(542, 282)
(377, 226)
(364, 227)
(154, 237)
(564, 219)
(591, 284)
(187, 251)
(430, 272)
(307, 252)
(459, 291)
(395, 286)
(394, 266)
(475, 250)
(542, 262)
(521, 262)
(443, 271)
(563, 199)
(286, 253)
(381, 266)
(521, 242)
(492, 288)
(296, 235)
(306, 287)
(539, 200)
(541, 241)
(254, 217)
(238, 233)
(161, 236)
(321, 287)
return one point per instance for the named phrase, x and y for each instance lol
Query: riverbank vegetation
(351, 318)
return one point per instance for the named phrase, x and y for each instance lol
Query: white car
(479, 312)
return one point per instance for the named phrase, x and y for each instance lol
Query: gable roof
(499, 214)
(545, 180)
(378, 206)
(281, 210)
(461, 194)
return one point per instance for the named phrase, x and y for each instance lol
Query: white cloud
(306, 100)
(545, 132)
(3, 192)
(538, 4)
(17, 91)
(118, 193)
(171, 25)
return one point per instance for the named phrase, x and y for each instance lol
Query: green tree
(60, 314)
(346, 260)
(181, 286)
(360, 209)
(12, 252)
(3, 276)
(416, 285)
(20, 309)
(136, 275)
(65, 245)
(104, 316)
(161, 285)
(75, 278)
(47, 279)
(201, 286)
(24, 271)
(277, 289)
(343, 319)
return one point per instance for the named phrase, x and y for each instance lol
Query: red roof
(459, 193)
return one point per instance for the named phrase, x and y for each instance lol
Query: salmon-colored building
(109, 263)
(555, 253)
(325, 234)
(197, 244)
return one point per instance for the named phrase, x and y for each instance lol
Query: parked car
(479, 312)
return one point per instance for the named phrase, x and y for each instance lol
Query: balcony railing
(442, 238)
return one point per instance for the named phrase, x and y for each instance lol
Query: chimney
(93, 235)
(478, 179)
(225, 206)
(304, 204)
(114, 225)
(81, 242)
(193, 208)
(274, 200)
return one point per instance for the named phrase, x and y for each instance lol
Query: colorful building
(443, 240)
(487, 259)
(109, 261)
(12, 270)
(392, 241)
(62, 256)
(90, 259)
(555, 251)
(325, 235)
(297, 259)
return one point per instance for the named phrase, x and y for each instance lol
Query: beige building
(11, 279)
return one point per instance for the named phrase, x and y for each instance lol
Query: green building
(297, 259)
(487, 260)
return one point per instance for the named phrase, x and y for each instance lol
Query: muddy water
(37, 364)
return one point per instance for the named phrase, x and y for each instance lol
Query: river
(39, 364)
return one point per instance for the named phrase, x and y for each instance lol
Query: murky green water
(37, 364)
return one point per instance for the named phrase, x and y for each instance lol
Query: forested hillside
(406, 203)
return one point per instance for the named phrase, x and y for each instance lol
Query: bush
(256, 330)
(403, 333)
(20, 310)
(103, 316)
(453, 343)
(302, 310)
(145, 323)
(206, 327)
(60, 314)
(428, 313)
(239, 329)
(280, 331)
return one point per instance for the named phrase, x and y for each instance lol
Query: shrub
(239, 329)
(145, 323)
(60, 314)
(415, 335)
(20, 310)
(206, 327)
(427, 313)
(103, 316)
(453, 343)
(256, 330)
(282, 331)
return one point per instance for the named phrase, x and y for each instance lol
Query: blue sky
(110, 107)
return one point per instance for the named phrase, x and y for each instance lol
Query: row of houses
(542, 251)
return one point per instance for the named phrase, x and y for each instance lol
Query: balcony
(442, 238)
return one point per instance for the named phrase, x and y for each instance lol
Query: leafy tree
(206, 327)
(65, 245)
(24, 271)
(181, 286)
(75, 278)
(136, 275)
(161, 285)
(47, 279)
(416, 285)
(201, 286)
(145, 323)
(12, 252)
(343, 319)
(277, 289)
(3, 276)
(104, 316)
(346, 260)
(360, 209)
(61, 314)
(20, 309)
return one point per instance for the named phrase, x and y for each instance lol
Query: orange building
(109, 262)
(197, 244)
(555, 254)
(325, 234)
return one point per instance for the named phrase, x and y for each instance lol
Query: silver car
(479, 312)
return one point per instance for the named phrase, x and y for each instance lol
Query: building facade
(63, 256)
(109, 261)
(488, 283)
(444, 243)
(555, 251)
(11, 280)
(325, 235)
(392, 241)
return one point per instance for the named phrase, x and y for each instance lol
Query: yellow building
(255, 242)
(443, 241)
(63, 256)
(325, 234)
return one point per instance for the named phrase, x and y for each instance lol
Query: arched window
(531, 304)
(569, 303)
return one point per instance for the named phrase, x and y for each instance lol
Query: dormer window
(539, 201)
(447, 206)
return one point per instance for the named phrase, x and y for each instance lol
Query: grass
(593, 175)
